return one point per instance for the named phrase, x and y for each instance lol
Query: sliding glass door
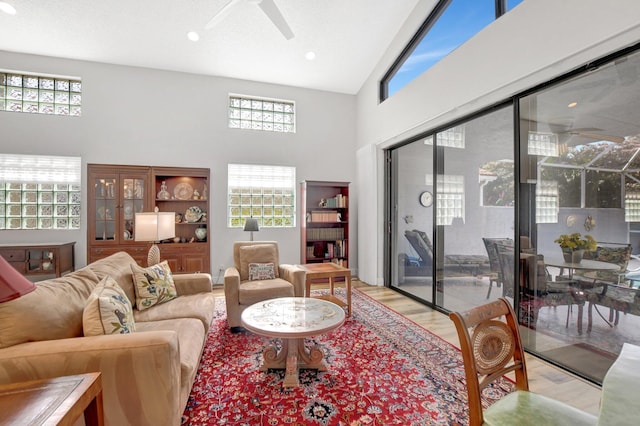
(580, 151)
(452, 191)
(553, 226)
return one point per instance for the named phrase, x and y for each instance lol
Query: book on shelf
(325, 234)
(339, 200)
(325, 216)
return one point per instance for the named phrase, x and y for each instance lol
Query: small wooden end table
(57, 401)
(328, 270)
(292, 319)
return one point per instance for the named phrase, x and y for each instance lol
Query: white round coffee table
(292, 319)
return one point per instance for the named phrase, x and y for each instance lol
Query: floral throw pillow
(261, 271)
(108, 310)
(153, 285)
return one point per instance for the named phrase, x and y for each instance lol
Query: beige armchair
(250, 279)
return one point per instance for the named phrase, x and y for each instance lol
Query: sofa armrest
(192, 283)
(140, 371)
(232, 296)
(296, 276)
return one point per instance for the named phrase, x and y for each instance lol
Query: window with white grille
(270, 115)
(40, 94)
(266, 193)
(39, 192)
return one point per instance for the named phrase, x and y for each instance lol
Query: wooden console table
(40, 259)
(58, 401)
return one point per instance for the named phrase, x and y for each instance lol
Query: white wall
(533, 43)
(149, 117)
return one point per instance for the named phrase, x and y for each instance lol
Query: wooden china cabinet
(117, 192)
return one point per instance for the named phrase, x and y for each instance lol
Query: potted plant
(574, 245)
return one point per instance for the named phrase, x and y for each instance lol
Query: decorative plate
(183, 191)
(193, 214)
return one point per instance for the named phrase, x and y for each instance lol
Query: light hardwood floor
(544, 378)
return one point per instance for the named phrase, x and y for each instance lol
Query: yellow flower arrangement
(575, 241)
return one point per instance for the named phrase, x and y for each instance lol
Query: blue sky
(460, 21)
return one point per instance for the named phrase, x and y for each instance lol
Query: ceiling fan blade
(221, 14)
(599, 137)
(271, 10)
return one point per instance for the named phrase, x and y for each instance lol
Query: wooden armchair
(491, 347)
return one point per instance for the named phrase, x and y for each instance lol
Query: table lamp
(12, 283)
(251, 225)
(155, 227)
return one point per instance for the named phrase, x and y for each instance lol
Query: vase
(201, 234)
(572, 256)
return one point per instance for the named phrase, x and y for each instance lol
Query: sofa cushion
(117, 266)
(191, 339)
(200, 306)
(261, 271)
(153, 285)
(257, 253)
(108, 310)
(52, 311)
(257, 291)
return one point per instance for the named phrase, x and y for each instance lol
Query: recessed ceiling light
(572, 104)
(7, 8)
(310, 55)
(193, 36)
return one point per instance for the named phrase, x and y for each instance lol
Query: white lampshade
(155, 226)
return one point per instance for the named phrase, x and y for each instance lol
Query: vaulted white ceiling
(348, 37)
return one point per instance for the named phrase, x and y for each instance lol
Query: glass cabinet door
(117, 197)
(133, 191)
(106, 193)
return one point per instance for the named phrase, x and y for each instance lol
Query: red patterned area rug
(383, 370)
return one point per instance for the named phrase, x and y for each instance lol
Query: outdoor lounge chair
(466, 263)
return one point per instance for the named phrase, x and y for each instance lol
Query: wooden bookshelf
(324, 219)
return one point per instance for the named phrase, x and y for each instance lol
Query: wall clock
(426, 199)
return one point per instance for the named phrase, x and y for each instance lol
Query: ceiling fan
(268, 7)
(591, 133)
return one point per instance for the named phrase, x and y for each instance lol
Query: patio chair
(537, 289)
(495, 275)
(491, 347)
(468, 263)
(618, 298)
(595, 282)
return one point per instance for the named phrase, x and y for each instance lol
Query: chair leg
(490, 287)
(590, 317)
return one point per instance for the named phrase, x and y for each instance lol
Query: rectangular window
(271, 115)
(39, 192)
(266, 193)
(40, 94)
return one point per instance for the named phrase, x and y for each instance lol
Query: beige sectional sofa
(147, 375)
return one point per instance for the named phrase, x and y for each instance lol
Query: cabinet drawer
(19, 266)
(183, 248)
(13, 255)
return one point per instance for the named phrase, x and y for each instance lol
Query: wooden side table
(328, 270)
(57, 401)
